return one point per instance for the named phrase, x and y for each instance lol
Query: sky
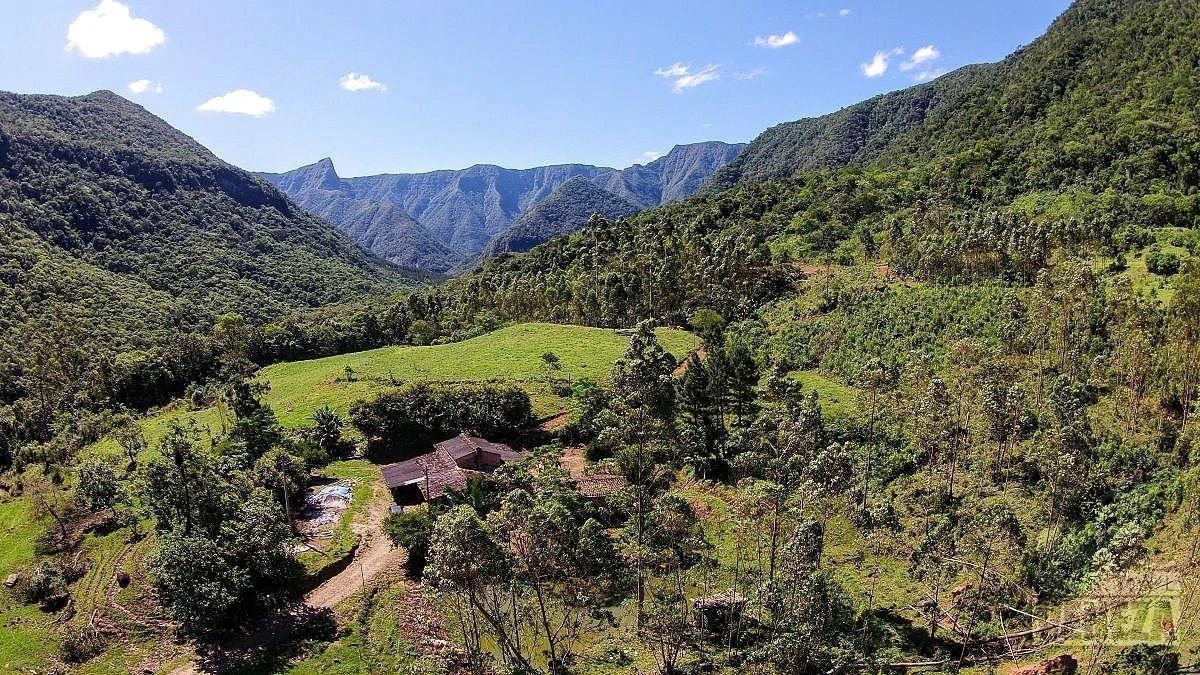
(405, 86)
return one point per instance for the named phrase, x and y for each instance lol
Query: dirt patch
(555, 423)
(683, 363)
(573, 460)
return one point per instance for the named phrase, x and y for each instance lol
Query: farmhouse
(430, 476)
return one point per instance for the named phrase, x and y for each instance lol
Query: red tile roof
(448, 465)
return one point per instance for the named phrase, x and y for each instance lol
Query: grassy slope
(510, 354)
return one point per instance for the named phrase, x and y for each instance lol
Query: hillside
(566, 210)
(913, 387)
(117, 221)
(1099, 101)
(457, 213)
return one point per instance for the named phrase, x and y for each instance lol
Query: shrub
(1142, 660)
(80, 644)
(46, 584)
(411, 530)
(419, 409)
(1162, 263)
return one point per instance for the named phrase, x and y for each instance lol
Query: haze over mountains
(438, 220)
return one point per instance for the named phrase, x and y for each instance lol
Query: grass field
(510, 354)
(835, 397)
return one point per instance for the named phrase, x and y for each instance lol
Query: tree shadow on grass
(270, 645)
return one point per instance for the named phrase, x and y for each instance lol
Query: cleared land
(512, 354)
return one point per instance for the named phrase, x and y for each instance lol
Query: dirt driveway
(375, 555)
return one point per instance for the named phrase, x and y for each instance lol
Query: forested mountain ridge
(1110, 86)
(97, 190)
(427, 220)
(566, 210)
(1085, 141)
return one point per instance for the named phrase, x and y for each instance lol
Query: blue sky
(450, 83)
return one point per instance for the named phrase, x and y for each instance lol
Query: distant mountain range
(443, 220)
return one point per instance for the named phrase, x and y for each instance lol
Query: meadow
(511, 354)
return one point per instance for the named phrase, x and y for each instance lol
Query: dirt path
(683, 363)
(375, 555)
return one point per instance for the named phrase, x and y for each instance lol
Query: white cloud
(111, 29)
(684, 78)
(677, 70)
(920, 57)
(750, 74)
(357, 82)
(647, 157)
(844, 12)
(241, 102)
(143, 85)
(776, 41)
(877, 66)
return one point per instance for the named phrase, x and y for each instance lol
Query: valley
(908, 387)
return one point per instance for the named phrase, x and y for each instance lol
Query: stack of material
(324, 508)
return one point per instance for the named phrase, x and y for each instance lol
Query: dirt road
(375, 555)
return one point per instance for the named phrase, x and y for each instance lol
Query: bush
(411, 530)
(1142, 660)
(421, 410)
(311, 452)
(1162, 263)
(80, 644)
(46, 584)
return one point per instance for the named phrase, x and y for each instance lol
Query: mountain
(113, 220)
(1093, 102)
(435, 220)
(377, 225)
(674, 176)
(566, 210)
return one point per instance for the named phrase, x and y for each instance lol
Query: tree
(411, 530)
(132, 440)
(179, 487)
(284, 474)
(327, 429)
(551, 363)
(558, 564)
(642, 377)
(645, 480)
(255, 428)
(708, 325)
(468, 565)
(422, 332)
(993, 536)
(1183, 359)
(735, 375)
(876, 378)
(196, 584)
(698, 425)
(97, 486)
(48, 498)
(675, 544)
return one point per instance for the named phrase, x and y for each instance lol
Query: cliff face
(433, 221)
